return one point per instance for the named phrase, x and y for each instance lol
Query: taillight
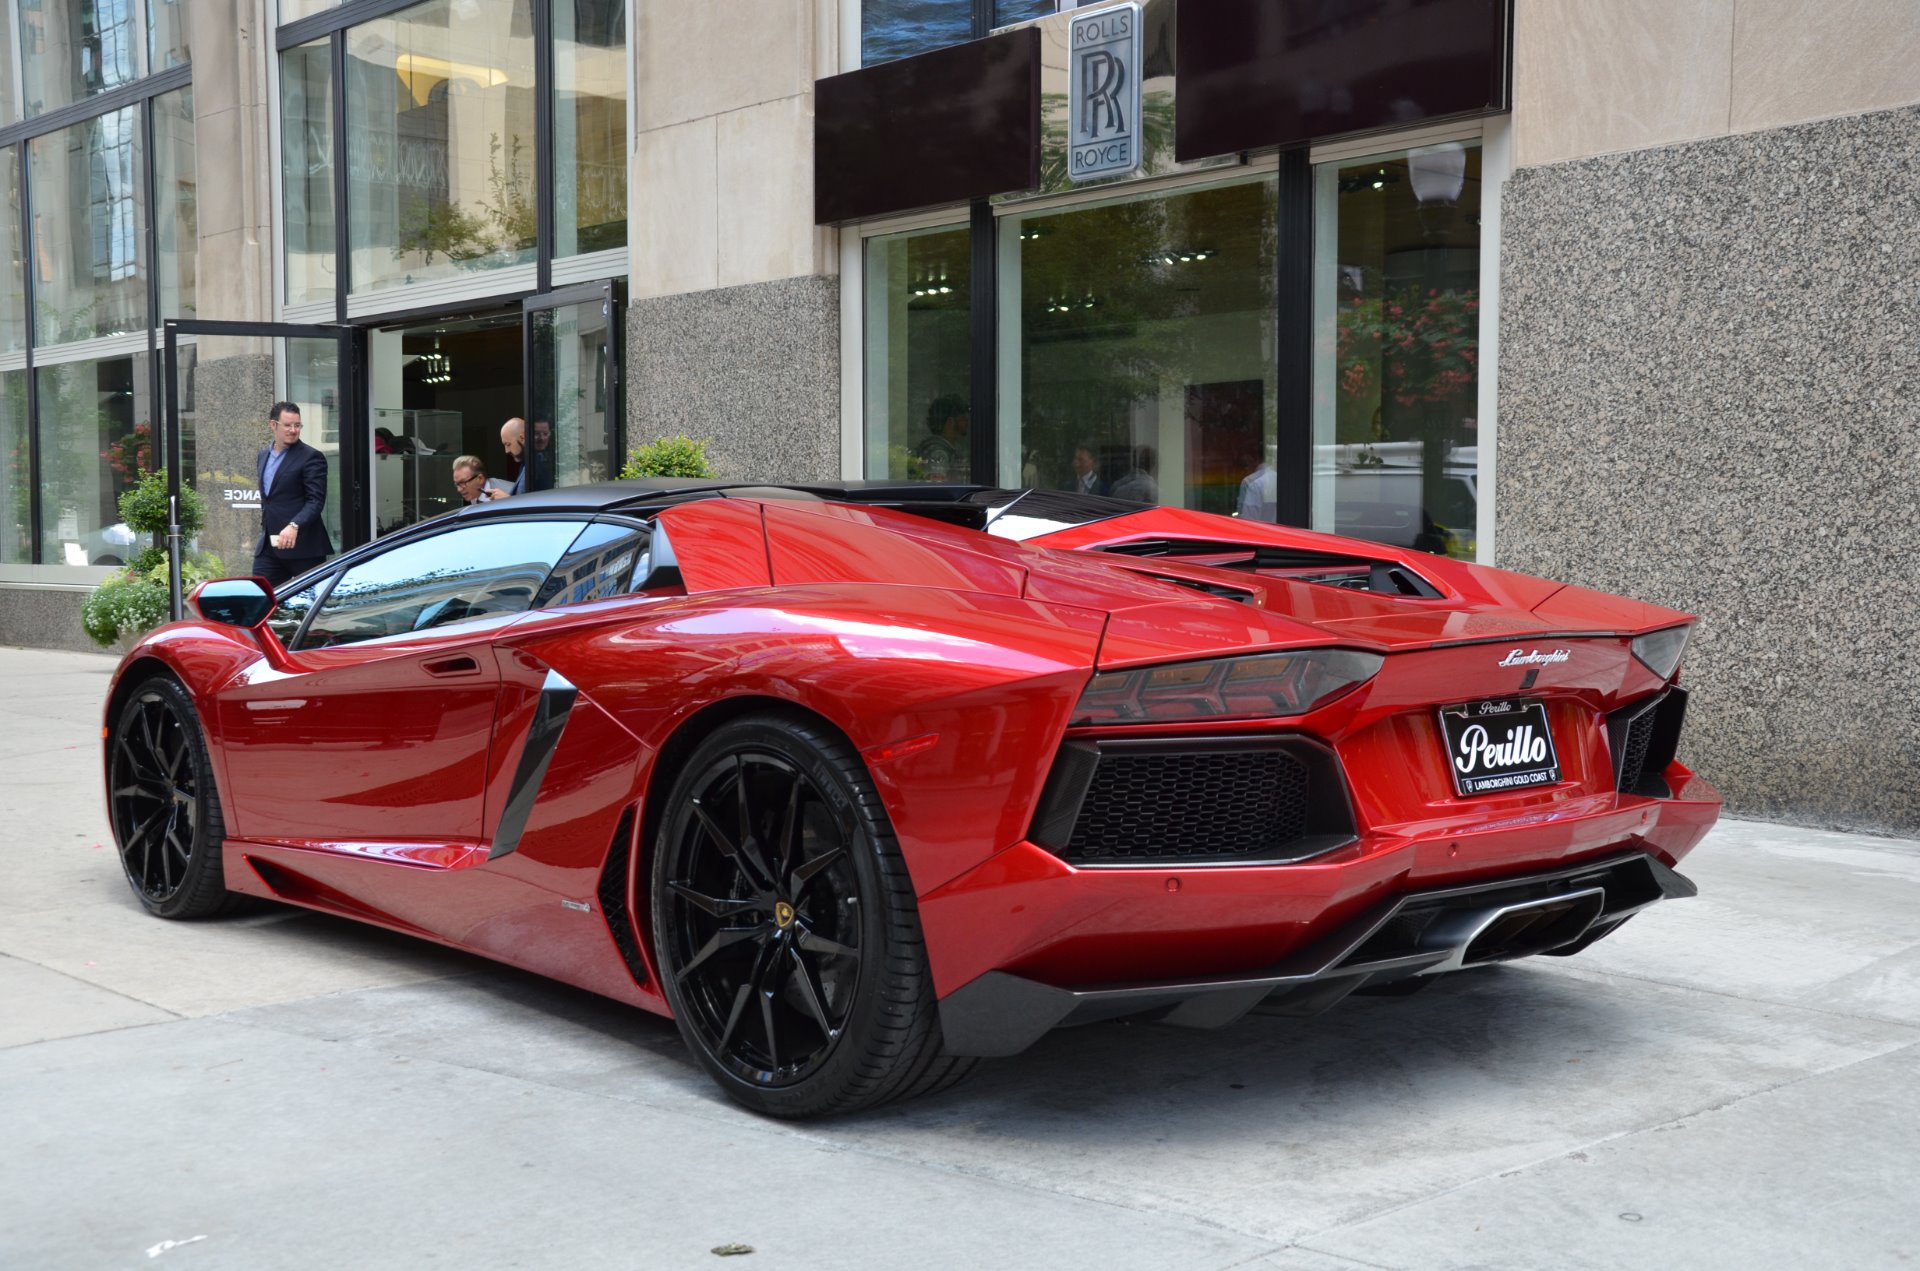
(1254, 687)
(1659, 651)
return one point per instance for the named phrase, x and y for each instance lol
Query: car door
(378, 729)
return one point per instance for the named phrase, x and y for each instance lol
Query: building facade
(1619, 294)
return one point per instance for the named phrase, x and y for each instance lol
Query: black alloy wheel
(163, 806)
(786, 928)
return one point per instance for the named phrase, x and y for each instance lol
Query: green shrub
(144, 508)
(135, 600)
(668, 457)
(124, 603)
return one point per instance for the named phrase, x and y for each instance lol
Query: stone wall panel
(1710, 398)
(755, 370)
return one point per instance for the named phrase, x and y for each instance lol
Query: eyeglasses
(469, 479)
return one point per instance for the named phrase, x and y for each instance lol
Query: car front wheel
(163, 806)
(788, 938)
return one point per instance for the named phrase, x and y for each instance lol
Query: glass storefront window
(72, 49)
(590, 126)
(306, 170)
(9, 75)
(1397, 311)
(16, 472)
(89, 220)
(177, 210)
(1007, 12)
(169, 41)
(440, 142)
(1143, 357)
(919, 356)
(13, 284)
(569, 438)
(892, 29)
(97, 430)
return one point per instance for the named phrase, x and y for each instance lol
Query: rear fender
(981, 686)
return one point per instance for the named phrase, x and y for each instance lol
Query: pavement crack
(1811, 1008)
(1511, 1171)
(99, 988)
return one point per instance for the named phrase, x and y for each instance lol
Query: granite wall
(44, 617)
(1710, 398)
(755, 370)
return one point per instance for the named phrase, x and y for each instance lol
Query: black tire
(786, 930)
(162, 804)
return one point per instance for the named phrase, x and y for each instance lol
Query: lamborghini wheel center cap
(782, 914)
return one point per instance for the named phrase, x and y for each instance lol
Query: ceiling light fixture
(1180, 256)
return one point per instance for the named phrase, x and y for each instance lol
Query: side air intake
(613, 898)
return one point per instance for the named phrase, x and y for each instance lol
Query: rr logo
(1102, 79)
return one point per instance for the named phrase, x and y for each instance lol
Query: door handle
(445, 667)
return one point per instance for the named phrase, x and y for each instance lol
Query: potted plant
(135, 600)
(678, 456)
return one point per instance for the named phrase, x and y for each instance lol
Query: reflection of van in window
(113, 545)
(1384, 504)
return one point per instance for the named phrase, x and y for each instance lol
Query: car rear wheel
(788, 938)
(163, 806)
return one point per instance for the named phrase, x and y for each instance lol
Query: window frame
(506, 283)
(1295, 171)
(1490, 136)
(139, 94)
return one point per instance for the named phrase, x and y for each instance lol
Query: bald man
(513, 439)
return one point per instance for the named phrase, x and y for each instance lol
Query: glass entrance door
(440, 388)
(574, 434)
(219, 385)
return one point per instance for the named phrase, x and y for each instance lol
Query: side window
(599, 564)
(290, 611)
(476, 571)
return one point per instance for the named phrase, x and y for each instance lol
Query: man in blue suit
(293, 493)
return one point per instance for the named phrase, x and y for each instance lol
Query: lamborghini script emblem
(782, 914)
(1535, 658)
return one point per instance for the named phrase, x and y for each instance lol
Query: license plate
(1499, 745)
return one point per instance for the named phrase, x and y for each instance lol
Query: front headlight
(1256, 687)
(1659, 651)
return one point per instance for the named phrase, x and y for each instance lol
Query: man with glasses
(470, 478)
(293, 495)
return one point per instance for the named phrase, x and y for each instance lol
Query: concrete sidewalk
(1732, 1081)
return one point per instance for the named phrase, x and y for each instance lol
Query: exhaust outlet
(1477, 938)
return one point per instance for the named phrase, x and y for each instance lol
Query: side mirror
(236, 602)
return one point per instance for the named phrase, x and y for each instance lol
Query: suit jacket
(299, 494)
(1094, 485)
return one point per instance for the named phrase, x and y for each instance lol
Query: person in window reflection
(540, 459)
(1139, 484)
(1258, 488)
(513, 440)
(293, 495)
(944, 451)
(470, 479)
(1086, 471)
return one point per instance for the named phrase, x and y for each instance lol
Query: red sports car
(860, 783)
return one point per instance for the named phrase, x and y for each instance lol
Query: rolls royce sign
(1103, 97)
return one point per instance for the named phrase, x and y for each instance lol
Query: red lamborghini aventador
(860, 783)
